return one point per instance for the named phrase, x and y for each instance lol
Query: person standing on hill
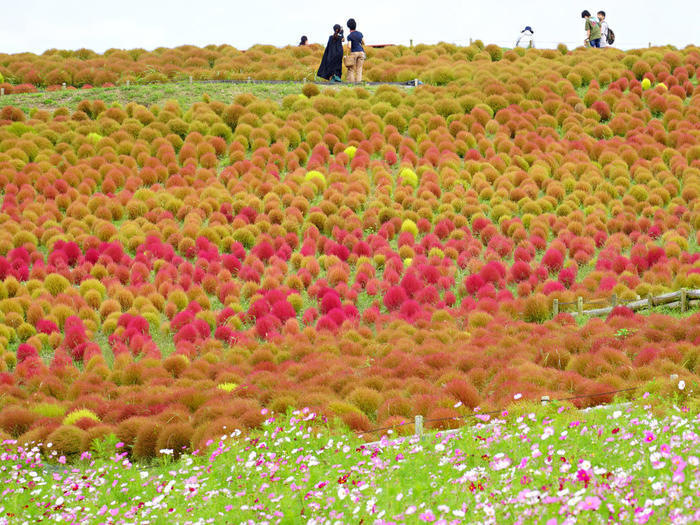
(331, 67)
(526, 38)
(356, 52)
(592, 28)
(604, 29)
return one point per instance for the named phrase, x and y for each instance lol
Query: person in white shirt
(526, 38)
(603, 29)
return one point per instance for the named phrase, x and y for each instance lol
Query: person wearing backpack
(607, 37)
(592, 28)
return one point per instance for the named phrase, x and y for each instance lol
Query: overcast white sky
(37, 25)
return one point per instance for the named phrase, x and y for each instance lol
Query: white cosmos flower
(681, 385)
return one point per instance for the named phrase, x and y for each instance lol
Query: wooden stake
(579, 305)
(684, 300)
(418, 424)
(613, 300)
(555, 308)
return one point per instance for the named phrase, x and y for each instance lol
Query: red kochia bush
(394, 298)
(493, 272)
(283, 310)
(473, 283)
(646, 355)
(411, 283)
(329, 301)
(553, 260)
(520, 271)
(621, 311)
(26, 351)
(266, 326)
(551, 287)
(567, 276)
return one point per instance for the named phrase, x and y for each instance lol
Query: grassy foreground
(148, 95)
(615, 464)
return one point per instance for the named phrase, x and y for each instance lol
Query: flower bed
(561, 466)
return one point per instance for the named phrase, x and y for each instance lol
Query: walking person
(604, 29)
(592, 28)
(356, 52)
(526, 38)
(331, 67)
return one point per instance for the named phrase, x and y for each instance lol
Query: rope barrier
(492, 412)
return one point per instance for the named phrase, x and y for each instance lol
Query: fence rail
(682, 299)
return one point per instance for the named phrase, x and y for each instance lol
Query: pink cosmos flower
(583, 476)
(649, 436)
(590, 503)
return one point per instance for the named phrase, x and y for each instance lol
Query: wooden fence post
(128, 83)
(2, 91)
(63, 86)
(579, 305)
(190, 79)
(613, 300)
(684, 301)
(418, 424)
(411, 41)
(650, 300)
(544, 400)
(555, 308)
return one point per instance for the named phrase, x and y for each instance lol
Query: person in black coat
(331, 67)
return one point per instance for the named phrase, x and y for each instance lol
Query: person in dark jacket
(331, 67)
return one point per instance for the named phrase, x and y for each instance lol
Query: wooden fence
(682, 299)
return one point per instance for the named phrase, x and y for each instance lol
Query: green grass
(296, 469)
(151, 94)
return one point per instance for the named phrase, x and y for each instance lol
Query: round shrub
(66, 440)
(176, 437)
(56, 284)
(536, 309)
(16, 421)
